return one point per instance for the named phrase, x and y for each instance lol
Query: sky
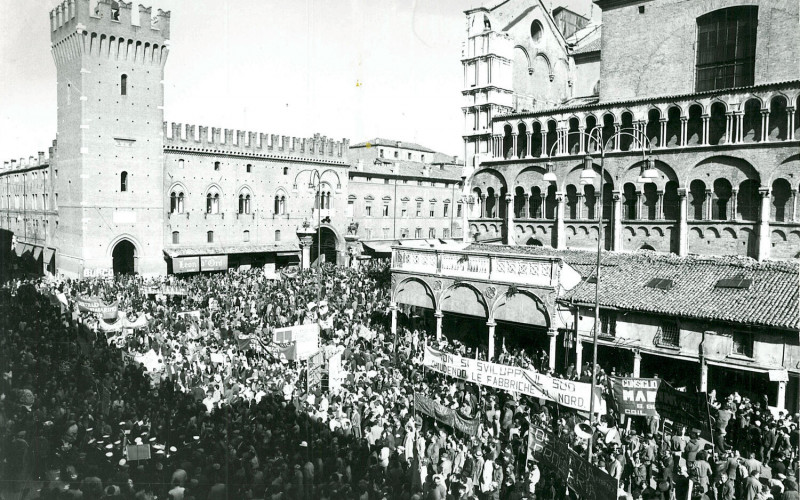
(342, 68)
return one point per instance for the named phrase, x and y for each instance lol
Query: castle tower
(109, 160)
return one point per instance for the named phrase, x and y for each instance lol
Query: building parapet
(528, 270)
(109, 17)
(178, 135)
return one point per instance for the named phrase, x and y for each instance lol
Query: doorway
(124, 257)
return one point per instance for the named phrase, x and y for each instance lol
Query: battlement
(41, 159)
(191, 137)
(110, 21)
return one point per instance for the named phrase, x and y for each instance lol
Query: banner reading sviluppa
(514, 379)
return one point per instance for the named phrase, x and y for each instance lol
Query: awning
(37, 252)
(19, 249)
(378, 247)
(48, 254)
(285, 248)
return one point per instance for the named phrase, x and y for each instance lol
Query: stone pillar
(703, 375)
(306, 238)
(764, 240)
(684, 130)
(528, 144)
(764, 125)
(728, 127)
(393, 308)
(581, 140)
(707, 207)
(794, 205)
(781, 402)
(662, 143)
(578, 353)
(639, 206)
(514, 145)
(616, 142)
(732, 203)
(524, 212)
(496, 207)
(616, 229)
(465, 209)
(683, 223)
(438, 315)
(637, 363)
(491, 325)
(579, 205)
(553, 335)
(510, 240)
(706, 119)
(740, 126)
(790, 123)
(660, 205)
(484, 210)
(544, 143)
(561, 238)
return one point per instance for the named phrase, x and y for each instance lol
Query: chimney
(32, 161)
(399, 144)
(5, 165)
(41, 158)
(13, 163)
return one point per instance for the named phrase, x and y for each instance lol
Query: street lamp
(649, 174)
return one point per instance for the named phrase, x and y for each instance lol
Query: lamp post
(315, 184)
(588, 175)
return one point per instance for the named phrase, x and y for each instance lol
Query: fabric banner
(684, 408)
(588, 481)
(164, 290)
(316, 363)
(635, 396)
(305, 338)
(95, 305)
(190, 315)
(514, 379)
(336, 373)
(445, 415)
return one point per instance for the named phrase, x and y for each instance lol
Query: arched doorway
(327, 247)
(124, 256)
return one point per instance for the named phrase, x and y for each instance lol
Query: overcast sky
(343, 68)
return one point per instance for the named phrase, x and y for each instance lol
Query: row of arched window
(177, 205)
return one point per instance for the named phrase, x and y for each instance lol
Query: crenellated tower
(110, 149)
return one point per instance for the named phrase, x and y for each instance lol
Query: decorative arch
(523, 307)
(736, 170)
(123, 236)
(631, 174)
(416, 292)
(463, 298)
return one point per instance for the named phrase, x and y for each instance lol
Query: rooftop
(770, 300)
(392, 143)
(410, 169)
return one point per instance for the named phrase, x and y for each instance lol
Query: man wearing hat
(692, 447)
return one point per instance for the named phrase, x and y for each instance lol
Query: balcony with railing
(529, 270)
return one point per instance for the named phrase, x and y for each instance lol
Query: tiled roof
(410, 169)
(771, 300)
(592, 46)
(393, 143)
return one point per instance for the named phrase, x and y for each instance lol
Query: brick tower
(109, 159)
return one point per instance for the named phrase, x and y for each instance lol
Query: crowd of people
(217, 413)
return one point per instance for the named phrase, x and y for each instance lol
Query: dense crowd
(226, 417)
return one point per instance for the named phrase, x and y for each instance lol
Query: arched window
(277, 235)
(176, 237)
(212, 202)
(210, 237)
(123, 85)
(123, 182)
(176, 202)
(726, 48)
(282, 205)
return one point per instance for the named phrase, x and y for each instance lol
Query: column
(491, 325)
(660, 205)
(740, 126)
(598, 210)
(616, 212)
(764, 241)
(528, 144)
(484, 210)
(684, 128)
(781, 402)
(524, 212)
(510, 240)
(790, 123)
(732, 203)
(579, 204)
(393, 308)
(465, 209)
(553, 334)
(581, 140)
(707, 206)
(578, 353)
(794, 205)
(638, 206)
(683, 223)
(663, 141)
(703, 375)
(764, 125)
(616, 142)
(514, 145)
(545, 152)
(637, 363)
(561, 240)
(438, 315)
(496, 207)
(306, 241)
(706, 119)
(728, 127)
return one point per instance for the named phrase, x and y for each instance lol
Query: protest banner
(305, 337)
(190, 315)
(514, 379)
(316, 362)
(97, 306)
(336, 373)
(164, 290)
(635, 396)
(689, 409)
(445, 415)
(588, 481)
(217, 357)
